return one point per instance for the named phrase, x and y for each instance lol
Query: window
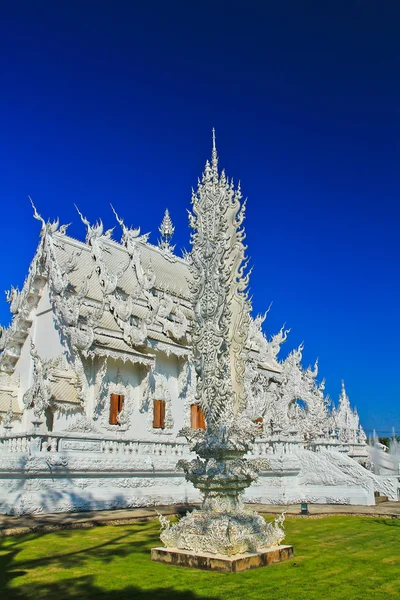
(159, 414)
(197, 420)
(116, 406)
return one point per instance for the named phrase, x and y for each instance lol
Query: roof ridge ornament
(49, 227)
(129, 234)
(96, 230)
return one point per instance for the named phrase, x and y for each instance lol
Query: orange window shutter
(113, 409)
(162, 402)
(194, 416)
(201, 419)
(157, 413)
(121, 399)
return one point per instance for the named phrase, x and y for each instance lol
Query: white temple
(97, 380)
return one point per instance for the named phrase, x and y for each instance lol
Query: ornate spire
(214, 156)
(166, 230)
(219, 293)
(347, 419)
(344, 399)
(220, 333)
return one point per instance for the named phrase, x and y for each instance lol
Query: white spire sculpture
(166, 230)
(222, 309)
(347, 420)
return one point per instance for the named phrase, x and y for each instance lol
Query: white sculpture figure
(38, 395)
(13, 298)
(3, 338)
(220, 333)
(8, 417)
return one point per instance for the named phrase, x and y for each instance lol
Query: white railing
(73, 442)
(89, 442)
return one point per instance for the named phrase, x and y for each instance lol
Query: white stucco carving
(166, 230)
(110, 386)
(38, 395)
(220, 470)
(155, 387)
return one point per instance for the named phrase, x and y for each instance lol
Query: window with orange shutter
(202, 421)
(159, 414)
(116, 406)
(197, 420)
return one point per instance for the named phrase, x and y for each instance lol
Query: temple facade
(97, 379)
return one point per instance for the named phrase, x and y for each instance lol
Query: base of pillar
(218, 562)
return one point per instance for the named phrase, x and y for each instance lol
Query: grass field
(338, 557)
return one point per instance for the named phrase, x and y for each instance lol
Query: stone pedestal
(219, 562)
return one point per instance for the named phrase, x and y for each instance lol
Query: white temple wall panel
(46, 338)
(23, 368)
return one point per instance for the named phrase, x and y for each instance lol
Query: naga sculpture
(222, 308)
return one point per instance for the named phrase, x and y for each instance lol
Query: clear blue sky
(114, 102)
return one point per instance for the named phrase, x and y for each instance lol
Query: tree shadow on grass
(138, 539)
(83, 588)
(388, 522)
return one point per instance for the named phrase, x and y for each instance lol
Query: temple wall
(23, 369)
(132, 376)
(134, 464)
(72, 472)
(288, 489)
(94, 490)
(46, 337)
(62, 420)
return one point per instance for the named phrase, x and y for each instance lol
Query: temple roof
(122, 299)
(171, 272)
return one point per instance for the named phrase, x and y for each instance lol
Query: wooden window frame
(197, 419)
(159, 414)
(116, 407)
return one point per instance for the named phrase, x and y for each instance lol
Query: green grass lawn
(339, 557)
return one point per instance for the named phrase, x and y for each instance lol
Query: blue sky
(114, 102)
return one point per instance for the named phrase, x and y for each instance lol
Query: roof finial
(167, 231)
(46, 227)
(214, 160)
(344, 399)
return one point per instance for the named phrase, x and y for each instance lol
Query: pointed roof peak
(167, 231)
(214, 156)
(344, 399)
